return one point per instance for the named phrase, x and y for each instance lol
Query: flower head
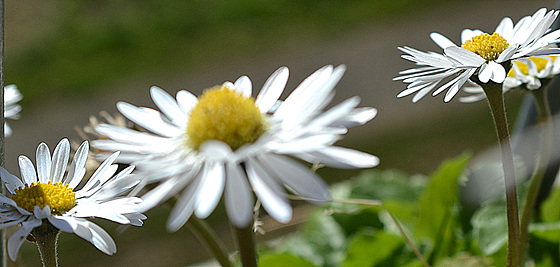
(11, 108)
(45, 195)
(481, 57)
(227, 142)
(526, 73)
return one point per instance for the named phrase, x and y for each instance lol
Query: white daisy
(227, 142)
(527, 73)
(11, 108)
(486, 55)
(44, 195)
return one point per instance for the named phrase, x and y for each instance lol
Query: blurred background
(72, 59)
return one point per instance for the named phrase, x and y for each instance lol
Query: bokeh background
(72, 59)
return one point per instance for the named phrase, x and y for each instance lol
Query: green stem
(211, 242)
(495, 99)
(543, 158)
(206, 236)
(246, 245)
(46, 237)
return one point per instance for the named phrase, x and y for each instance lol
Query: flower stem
(495, 99)
(543, 158)
(203, 232)
(46, 237)
(246, 245)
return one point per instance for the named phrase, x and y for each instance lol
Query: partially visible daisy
(46, 195)
(526, 73)
(226, 142)
(11, 108)
(482, 57)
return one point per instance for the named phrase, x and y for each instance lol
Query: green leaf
(490, 227)
(320, 241)
(546, 231)
(388, 184)
(367, 249)
(281, 260)
(550, 209)
(436, 216)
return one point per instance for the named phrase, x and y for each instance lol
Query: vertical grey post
(4, 190)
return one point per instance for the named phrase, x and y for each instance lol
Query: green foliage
(429, 212)
(490, 227)
(283, 259)
(550, 211)
(437, 217)
(367, 249)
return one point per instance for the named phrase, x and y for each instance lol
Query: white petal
(344, 158)
(468, 34)
(99, 177)
(149, 119)
(27, 170)
(184, 207)
(244, 86)
(186, 101)
(269, 193)
(238, 197)
(298, 178)
(97, 236)
(43, 157)
(62, 223)
(441, 40)
(211, 190)
(272, 89)
(464, 56)
(168, 106)
(60, 160)
(17, 238)
(77, 168)
(10, 180)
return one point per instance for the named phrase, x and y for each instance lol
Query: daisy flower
(482, 57)
(226, 142)
(11, 108)
(527, 73)
(46, 195)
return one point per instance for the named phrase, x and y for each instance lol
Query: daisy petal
(298, 178)
(269, 193)
(27, 170)
(43, 157)
(238, 197)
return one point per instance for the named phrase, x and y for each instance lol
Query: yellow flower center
(59, 197)
(487, 46)
(225, 115)
(539, 62)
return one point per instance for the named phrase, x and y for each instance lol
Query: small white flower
(487, 56)
(526, 73)
(11, 108)
(47, 194)
(227, 142)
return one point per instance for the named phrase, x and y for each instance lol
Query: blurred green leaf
(368, 249)
(546, 231)
(436, 217)
(320, 241)
(550, 209)
(281, 260)
(490, 227)
(388, 184)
